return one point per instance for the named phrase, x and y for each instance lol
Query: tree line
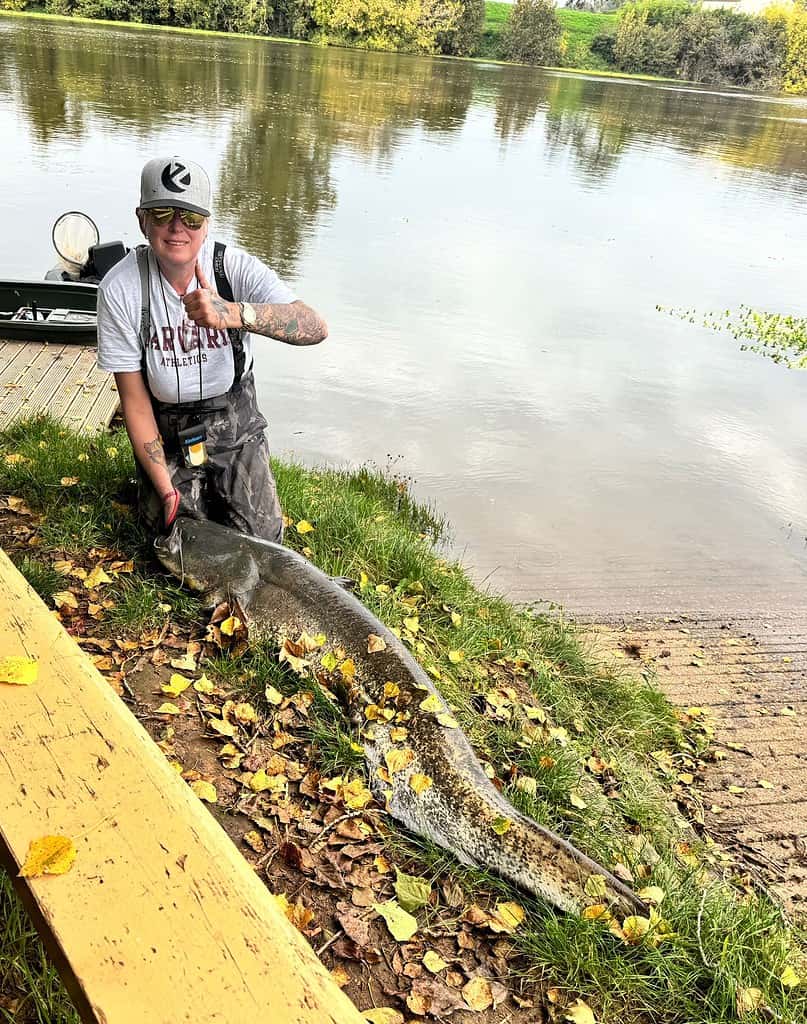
(672, 38)
(419, 26)
(678, 39)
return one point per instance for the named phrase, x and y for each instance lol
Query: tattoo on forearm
(221, 308)
(296, 323)
(154, 450)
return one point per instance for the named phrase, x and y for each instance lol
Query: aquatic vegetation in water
(779, 336)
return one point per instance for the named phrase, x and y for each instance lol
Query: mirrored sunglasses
(165, 214)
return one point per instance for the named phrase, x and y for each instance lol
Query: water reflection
(488, 245)
(284, 111)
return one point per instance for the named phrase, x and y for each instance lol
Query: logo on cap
(176, 177)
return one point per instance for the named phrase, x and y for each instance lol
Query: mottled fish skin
(283, 593)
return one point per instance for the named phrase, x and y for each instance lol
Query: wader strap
(145, 307)
(226, 292)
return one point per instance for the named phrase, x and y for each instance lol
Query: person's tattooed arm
(294, 322)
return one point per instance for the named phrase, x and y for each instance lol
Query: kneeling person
(175, 324)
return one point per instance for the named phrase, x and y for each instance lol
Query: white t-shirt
(179, 352)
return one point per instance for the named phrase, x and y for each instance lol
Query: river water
(489, 245)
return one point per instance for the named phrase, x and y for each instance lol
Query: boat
(57, 311)
(63, 307)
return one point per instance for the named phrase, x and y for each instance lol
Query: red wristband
(170, 513)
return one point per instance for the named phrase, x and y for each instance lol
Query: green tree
(463, 34)
(532, 35)
(793, 20)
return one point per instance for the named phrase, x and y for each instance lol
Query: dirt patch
(750, 679)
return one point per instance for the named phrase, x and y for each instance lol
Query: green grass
(145, 603)
(494, 663)
(30, 989)
(579, 29)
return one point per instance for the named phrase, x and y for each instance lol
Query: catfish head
(210, 559)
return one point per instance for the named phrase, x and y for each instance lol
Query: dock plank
(28, 392)
(34, 381)
(160, 917)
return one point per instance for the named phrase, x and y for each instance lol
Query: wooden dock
(61, 381)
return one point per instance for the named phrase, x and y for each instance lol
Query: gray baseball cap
(174, 181)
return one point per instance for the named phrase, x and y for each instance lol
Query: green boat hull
(53, 311)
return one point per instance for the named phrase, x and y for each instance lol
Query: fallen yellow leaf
(96, 578)
(205, 791)
(580, 1013)
(419, 783)
(186, 664)
(230, 625)
(433, 962)
(18, 505)
(431, 703)
(397, 759)
(508, 917)
(402, 926)
(577, 801)
(651, 894)
(455, 657)
(221, 727)
(789, 978)
(595, 886)
(18, 670)
(478, 994)
(168, 709)
(634, 929)
(356, 795)
(376, 643)
(176, 684)
(383, 1015)
(65, 599)
(204, 685)
(448, 721)
(304, 527)
(50, 855)
(273, 696)
(69, 481)
(749, 1000)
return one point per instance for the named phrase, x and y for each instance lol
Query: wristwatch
(248, 315)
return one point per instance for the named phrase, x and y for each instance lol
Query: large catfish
(461, 811)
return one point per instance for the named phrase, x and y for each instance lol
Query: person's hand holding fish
(207, 308)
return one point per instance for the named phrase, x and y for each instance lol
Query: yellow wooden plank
(26, 399)
(160, 918)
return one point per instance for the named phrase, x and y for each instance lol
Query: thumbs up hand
(207, 308)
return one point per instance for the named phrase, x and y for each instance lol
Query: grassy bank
(579, 29)
(593, 753)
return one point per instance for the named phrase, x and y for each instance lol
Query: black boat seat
(104, 256)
